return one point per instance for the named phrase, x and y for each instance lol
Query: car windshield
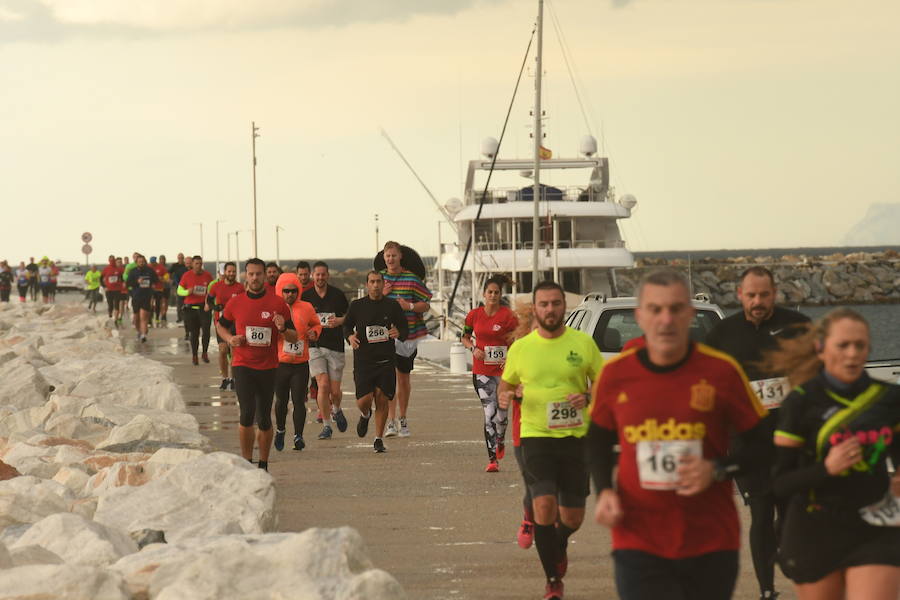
(618, 326)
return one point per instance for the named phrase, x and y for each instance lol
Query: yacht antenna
(440, 207)
(535, 223)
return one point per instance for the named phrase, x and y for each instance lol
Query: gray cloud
(37, 22)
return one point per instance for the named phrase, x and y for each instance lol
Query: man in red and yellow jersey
(672, 405)
(220, 292)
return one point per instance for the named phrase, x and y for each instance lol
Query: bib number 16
(658, 462)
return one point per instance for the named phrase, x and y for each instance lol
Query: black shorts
(644, 576)
(815, 544)
(113, 297)
(556, 467)
(405, 363)
(369, 377)
(140, 302)
(158, 295)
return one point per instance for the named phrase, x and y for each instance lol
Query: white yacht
(580, 242)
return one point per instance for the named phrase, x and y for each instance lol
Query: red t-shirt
(491, 332)
(113, 278)
(223, 292)
(252, 318)
(658, 413)
(197, 285)
(161, 273)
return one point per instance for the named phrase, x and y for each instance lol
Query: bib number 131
(658, 462)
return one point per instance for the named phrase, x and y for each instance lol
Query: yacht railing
(566, 194)
(494, 246)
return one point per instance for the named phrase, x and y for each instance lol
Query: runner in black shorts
(371, 326)
(141, 280)
(837, 433)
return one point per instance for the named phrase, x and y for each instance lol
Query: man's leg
(144, 320)
(763, 541)
(323, 399)
(224, 353)
(265, 391)
(246, 395)
(205, 320)
(192, 326)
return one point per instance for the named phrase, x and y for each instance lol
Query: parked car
(71, 277)
(611, 322)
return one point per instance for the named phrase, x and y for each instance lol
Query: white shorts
(329, 362)
(406, 348)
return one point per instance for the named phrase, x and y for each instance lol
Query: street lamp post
(217, 242)
(254, 133)
(278, 245)
(201, 237)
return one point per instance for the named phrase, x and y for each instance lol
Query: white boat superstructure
(580, 242)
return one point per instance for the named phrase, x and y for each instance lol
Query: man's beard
(548, 326)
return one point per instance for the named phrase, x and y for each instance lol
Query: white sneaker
(391, 429)
(404, 429)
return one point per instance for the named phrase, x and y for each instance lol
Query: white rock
(316, 564)
(174, 456)
(34, 555)
(6, 560)
(70, 426)
(74, 582)
(144, 433)
(21, 385)
(78, 541)
(74, 477)
(28, 499)
(215, 494)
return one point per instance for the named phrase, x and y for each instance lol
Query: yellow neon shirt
(549, 370)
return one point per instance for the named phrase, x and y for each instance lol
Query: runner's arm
(400, 323)
(750, 455)
(789, 478)
(601, 457)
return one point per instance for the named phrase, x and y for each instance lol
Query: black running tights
(291, 381)
(763, 539)
(196, 320)
(254, 389)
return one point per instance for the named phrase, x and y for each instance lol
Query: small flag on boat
(546, 153)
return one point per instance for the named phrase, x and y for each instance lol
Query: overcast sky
(735, 123)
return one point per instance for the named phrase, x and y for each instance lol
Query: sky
(735, 123)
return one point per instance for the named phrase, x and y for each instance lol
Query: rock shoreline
(108, 488)
(836, 279)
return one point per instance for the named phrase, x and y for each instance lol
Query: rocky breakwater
(856, 278)
(108, 491)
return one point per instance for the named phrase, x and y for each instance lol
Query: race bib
(112, 279)
(199, 290)
(562, 415)
(295, 348)
(144, 282)
(258, 336)
(885, 513)
(376, 334)
(771, 392)
(658, 461)
(323, 318)
(494, 355)
(45, 278)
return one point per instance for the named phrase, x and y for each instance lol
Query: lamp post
(254, 133)
(201, 237)
(228, 244)
(217, 242)
(278, 245)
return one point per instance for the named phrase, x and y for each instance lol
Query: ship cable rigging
(487, 183)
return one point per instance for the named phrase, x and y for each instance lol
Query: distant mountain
(881, 225)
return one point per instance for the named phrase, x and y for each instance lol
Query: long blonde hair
(798, 357)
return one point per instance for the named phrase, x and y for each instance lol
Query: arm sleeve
(288, 317)
(470, 323)
(750, 453)
(511, 368)
(788, 477)
(349, 322)
(343, 306)
(181, 291)
(600, 456)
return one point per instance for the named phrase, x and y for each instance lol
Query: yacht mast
(535, 224)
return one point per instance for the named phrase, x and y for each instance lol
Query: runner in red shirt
(257, 318)
(160, 298)
(492, 325)
(672, 406)
(111, 278)
(194, 287)
(220, 293)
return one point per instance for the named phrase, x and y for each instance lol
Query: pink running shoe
(525, 537)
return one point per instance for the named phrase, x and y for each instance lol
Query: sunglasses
(290, 290)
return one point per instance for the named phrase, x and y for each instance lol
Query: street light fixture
(278, 244)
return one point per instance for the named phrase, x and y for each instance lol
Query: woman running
(492, 325)
(835, 441)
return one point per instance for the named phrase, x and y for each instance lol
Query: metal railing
(495, 246)
(570, 193)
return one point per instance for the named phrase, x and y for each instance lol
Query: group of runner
(29, 280)
(664, 427)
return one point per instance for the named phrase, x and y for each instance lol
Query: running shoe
(205, 357)
(231, 384)
(769, 595)
(404, 429)
(525, 537)
(299, 444)
(379, 446)
(224, 385)
(492, 467)
(319, 417)
(279, 440)
(326, 433)
(195, 360)
(362, 426)
(143, 338)
(391, 429)
(340, 420)
(554, 590)
(501, 450)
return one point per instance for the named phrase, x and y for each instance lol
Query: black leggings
(644, 576)
(4, 294)
(195, 320)
(254, 389)
(291, 381)
(112, 300)
(23, 291)
(763, 539)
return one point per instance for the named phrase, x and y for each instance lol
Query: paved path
(429, 514)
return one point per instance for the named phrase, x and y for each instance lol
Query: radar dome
(628, 201)
(489, 147)
(453, 206)
(588, 145)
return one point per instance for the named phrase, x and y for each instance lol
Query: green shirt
(549, 370)
(92, 278)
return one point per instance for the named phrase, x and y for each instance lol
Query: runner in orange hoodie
(292, 376)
